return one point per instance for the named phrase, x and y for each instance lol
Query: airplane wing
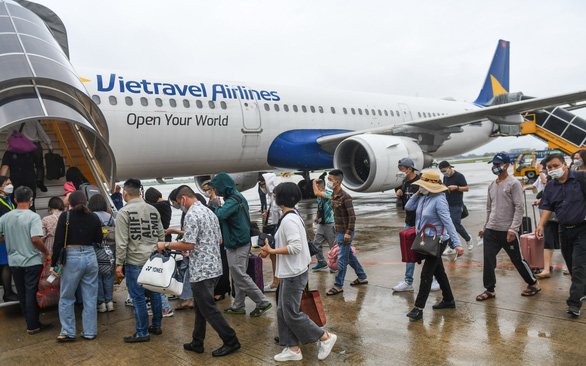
(500, 112)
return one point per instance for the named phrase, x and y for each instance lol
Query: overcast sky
(432, 49)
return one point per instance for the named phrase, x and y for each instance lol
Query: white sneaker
(434, 285)
(403, 286)
(102, 307)
(449, 251)
(288, 355)
(168, 313)
(325, 347)
(128, 302)
(470, 245)
(110, 305)
(268, 288)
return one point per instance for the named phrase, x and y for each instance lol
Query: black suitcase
(54, 166)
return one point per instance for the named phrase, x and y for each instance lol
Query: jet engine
(242, 181)
(369, 162)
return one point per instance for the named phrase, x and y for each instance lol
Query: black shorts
(551, 233)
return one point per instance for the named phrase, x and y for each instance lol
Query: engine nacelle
(369, 162)
(242, 181)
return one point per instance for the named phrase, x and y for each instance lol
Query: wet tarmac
(369, 320)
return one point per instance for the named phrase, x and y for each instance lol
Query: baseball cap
(407, 163)
(501, 158)
(444, 164)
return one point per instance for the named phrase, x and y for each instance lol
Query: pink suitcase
(532, 249)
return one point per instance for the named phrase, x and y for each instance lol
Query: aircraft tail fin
(497, 80)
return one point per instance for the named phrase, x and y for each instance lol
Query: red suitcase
(406, 237)
(532, 250)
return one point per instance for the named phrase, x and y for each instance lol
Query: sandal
(485, 296)
(183, 306)
(232, 311)
(543, 275)
(333, 291)
(260, 311)
(43, 327)
(531, 291)
(358, 281)
(65, 338)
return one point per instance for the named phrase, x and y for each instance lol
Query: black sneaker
(574, 310)
(415, 314)
(445, 305)
(136, 339)
(41, 186)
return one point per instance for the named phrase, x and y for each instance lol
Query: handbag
(269, 229)
(105, 258)
(19, 143)
(160, 274)
(48, 293)
(312, 306)
(61, 257)
(464, 211)
(333, 256)
(427, 244)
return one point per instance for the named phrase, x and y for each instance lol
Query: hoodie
(271, 183)
(235, 227)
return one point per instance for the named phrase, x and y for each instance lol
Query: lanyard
(9, 204)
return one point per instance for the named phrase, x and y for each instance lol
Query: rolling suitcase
(54, 166)
(526, 226)
(532, 250)
(254, 270)
(406, 238)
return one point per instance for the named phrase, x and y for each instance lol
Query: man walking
(504, 213)
(324, 219)
(23, 232)
(457, 185)
(202, 239)
(138, 229)
(571, 214)
(345, 220)
(233, 215)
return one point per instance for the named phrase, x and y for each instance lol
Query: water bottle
(479, 240)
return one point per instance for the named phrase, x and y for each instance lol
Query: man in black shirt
(456, 183)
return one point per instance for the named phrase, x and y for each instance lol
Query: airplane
(150, 127)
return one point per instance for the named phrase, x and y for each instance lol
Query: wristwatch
(167, 245)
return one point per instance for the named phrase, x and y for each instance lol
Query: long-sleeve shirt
(433, 209)
(344, 215)
(292, 234)
(138, 229)
(84, 229)
(504, 206)
(34, 132)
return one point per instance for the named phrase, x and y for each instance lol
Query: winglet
(497, 80)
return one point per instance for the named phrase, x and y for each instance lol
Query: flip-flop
(334, 291)
(183, 307)
(531, 291)
(43, 327)
(357, 282)
(65, 338)
(485, 296)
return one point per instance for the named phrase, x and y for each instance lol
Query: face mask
(446, 173)
(557, 173)
(264, 190)
(577, 163)
(9, 189)
(423, 191)
(496, 170)
(176, 206)
(207, 194)
(401, 175)
(330, 185)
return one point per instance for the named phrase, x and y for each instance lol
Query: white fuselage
(163, 128)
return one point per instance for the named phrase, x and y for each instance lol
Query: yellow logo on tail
(497, 88)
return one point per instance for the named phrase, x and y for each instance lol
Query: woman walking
(432, 208)
(77, 230)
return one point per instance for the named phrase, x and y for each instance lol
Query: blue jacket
(435, 212)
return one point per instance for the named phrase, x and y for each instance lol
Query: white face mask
(206, 194)
(577, 163)
(330, 185)
(446, 173)
(423, 191)
(9, 189)
(401, 175)
(557, 173)
(496, 170)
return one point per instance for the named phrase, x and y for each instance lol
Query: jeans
(206, 311)
(456, 215)
(165, 303)
(137, 293)
(243, 283)
(323, 233)
(186, 294)
(80, 270)
(409, 267)
(26, 280)
(346, 257)
(105, 287)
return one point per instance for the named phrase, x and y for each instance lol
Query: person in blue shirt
(117, 198)
(432, 208)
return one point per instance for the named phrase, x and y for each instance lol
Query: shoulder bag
(62, 256)
(19, 143)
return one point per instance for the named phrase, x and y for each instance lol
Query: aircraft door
(251, 122)
(406, 112)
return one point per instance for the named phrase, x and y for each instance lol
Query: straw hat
(431, 180)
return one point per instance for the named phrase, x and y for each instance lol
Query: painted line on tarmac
(446, 264)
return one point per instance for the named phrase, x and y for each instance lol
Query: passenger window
(295, 109)
(392, 113)
(366, 111)
(112, 99)
(312, 109)
(360, 111)
(128, 100)
(333, 110)
(223, 105)
(345, 110)
(419, 114)
(373, 112)
(424, 115)
(386, 113)
(144, 102)
(186, 103)
(320, 109)
(96, 99)
(304, 109)
(276, 107)
(173, 103)
(286, 107)
(158, 102)
(199, 104)
(267, 107)
(398, 114)
(212, 104)
(353, 110)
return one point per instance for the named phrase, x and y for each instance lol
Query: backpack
(109, 231)
(89, 189)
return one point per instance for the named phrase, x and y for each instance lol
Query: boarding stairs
(559, 128)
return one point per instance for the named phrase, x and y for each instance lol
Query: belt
(573, 226)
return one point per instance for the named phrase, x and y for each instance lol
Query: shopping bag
(312, 306)
(48, 293)
(333, 256)
(159, 274)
